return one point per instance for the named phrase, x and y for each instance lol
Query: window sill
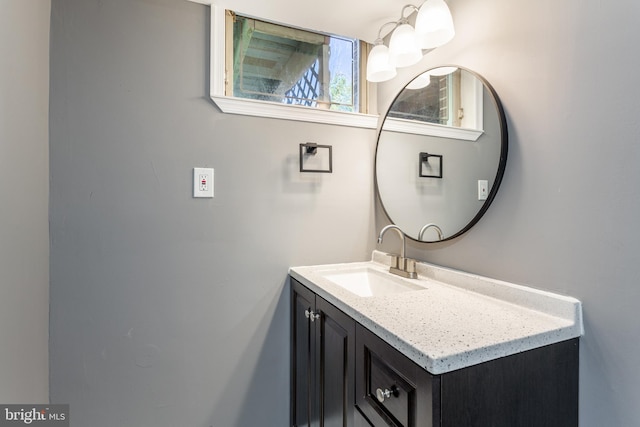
(430, 129)
(250, 107)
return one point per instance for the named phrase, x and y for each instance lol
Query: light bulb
(420, 82)
(434, 24)
(442, 71)
(403, 46)
(380, 66)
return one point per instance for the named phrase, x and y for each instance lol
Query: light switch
(203, 182)
(483, 189)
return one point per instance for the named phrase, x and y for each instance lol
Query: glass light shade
(379, 65)
(403, 46)
(422, 81)
(442, 71)
(434, 24)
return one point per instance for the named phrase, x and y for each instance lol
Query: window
(429, 105)
(449, 105)
(287, 65)
(259, 68)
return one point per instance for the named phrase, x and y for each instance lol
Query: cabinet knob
(310, 314)
(382, 395)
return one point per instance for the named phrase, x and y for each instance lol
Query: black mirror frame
(504, 148)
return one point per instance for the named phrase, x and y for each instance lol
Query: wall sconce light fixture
(433, 28)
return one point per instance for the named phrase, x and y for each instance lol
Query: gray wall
(566, 216)
(24, 189)
(168, 310)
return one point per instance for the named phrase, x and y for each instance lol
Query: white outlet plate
(203, 182)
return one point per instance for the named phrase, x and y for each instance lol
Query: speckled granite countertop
(458, 320)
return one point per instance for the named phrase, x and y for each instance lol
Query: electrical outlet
(203, 182)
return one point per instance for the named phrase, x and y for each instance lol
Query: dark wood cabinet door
(303, 411)
(335, 343)
(322, 362)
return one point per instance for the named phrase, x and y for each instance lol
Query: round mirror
(441, 154)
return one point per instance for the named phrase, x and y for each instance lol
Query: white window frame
(252, 107)
(474, 96)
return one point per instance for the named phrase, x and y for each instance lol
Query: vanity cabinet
(322, 362)
(345, 375)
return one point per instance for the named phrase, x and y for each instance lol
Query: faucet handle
(395, 260)
(410, 265)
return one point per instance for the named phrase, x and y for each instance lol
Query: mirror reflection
(443, 96)
(441, 154)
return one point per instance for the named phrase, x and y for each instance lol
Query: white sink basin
(368, 282)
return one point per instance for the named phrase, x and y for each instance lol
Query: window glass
(287, 65)
(430, 104)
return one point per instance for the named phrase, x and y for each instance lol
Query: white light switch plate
(483, 189)
(203, 182)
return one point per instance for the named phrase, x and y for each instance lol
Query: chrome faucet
(394, 227)
(432, 225)
(400, 266)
